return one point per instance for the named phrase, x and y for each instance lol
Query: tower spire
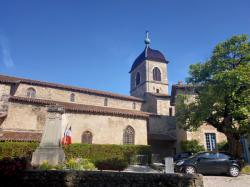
(147, 40)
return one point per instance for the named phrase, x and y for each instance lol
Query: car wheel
(234, 171)
(190, 170)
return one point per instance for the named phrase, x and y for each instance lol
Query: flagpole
(64, 134)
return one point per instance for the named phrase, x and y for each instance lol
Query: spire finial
(147, 40)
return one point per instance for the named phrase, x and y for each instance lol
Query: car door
(206, 163)
(222, 163)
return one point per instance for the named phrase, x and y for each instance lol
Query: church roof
(148, 54)
(12, 80)
(81, 108)
(20, 136)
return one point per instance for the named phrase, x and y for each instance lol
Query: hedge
(94, 152)
(17, 149)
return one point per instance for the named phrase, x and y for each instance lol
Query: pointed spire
(147, 40)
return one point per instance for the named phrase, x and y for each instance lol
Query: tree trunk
(235, 146)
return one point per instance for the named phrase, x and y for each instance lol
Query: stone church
(98, 117)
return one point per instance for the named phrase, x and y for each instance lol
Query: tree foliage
(222, 85)
(192, 146)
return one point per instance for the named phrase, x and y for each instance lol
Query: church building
(98, 117)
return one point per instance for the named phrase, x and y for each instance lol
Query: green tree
(191, 146)
(222, 85)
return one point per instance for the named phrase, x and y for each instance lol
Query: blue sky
(91, 43)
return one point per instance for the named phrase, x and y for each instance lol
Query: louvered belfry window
(129, 135)
(87, 137)
(156, 74)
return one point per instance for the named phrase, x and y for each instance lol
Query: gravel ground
(224, 181)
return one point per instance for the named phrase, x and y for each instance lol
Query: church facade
(98, 117)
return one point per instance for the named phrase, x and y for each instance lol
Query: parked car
(181, 156)
(209, 163)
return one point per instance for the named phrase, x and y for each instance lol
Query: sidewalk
(224, 181)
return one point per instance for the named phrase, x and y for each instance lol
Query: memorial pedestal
(53, 155)
(49, 149)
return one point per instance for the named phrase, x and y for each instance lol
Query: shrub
(79, 164)
(87, 164)
(246, 169)
(45, 166)
(72, 164)
(12, 166)
(191, 146)
(93, 152)
(111, 164)
(17, 149)
(96, 152)
(223, 146)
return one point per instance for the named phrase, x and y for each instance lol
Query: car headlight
(180, 163)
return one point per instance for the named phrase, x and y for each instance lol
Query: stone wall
(25, 117)
(62, 95)
(198, 135)
(154, 85)
(101, 179)
(138, 90)
(4, 93)
(105, 129)
(147, 83)
(162, 125)
(163, 106)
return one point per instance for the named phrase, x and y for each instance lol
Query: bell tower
(148, 73)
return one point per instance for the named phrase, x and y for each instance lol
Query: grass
(246, 169)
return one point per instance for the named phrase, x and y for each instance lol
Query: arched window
(106, 102)
(31, 92)
(137, 79)
(72, 97)
(87, 137)
(156, 74)
(129, 135)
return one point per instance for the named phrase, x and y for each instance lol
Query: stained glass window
(129, 135)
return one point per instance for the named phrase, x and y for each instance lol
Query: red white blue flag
(66, 140)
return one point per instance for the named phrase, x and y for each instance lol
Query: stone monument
(169, 165)
(50, 149)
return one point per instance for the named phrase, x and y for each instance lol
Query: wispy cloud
(5, 55)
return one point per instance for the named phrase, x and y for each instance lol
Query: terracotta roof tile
(20, 136)
(9, 79)
(73, 107)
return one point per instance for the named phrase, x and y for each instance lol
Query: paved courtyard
(224, 181)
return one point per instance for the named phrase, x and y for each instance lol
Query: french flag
(67, 137)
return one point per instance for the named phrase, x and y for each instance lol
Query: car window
(224, 156)
(209, 156)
